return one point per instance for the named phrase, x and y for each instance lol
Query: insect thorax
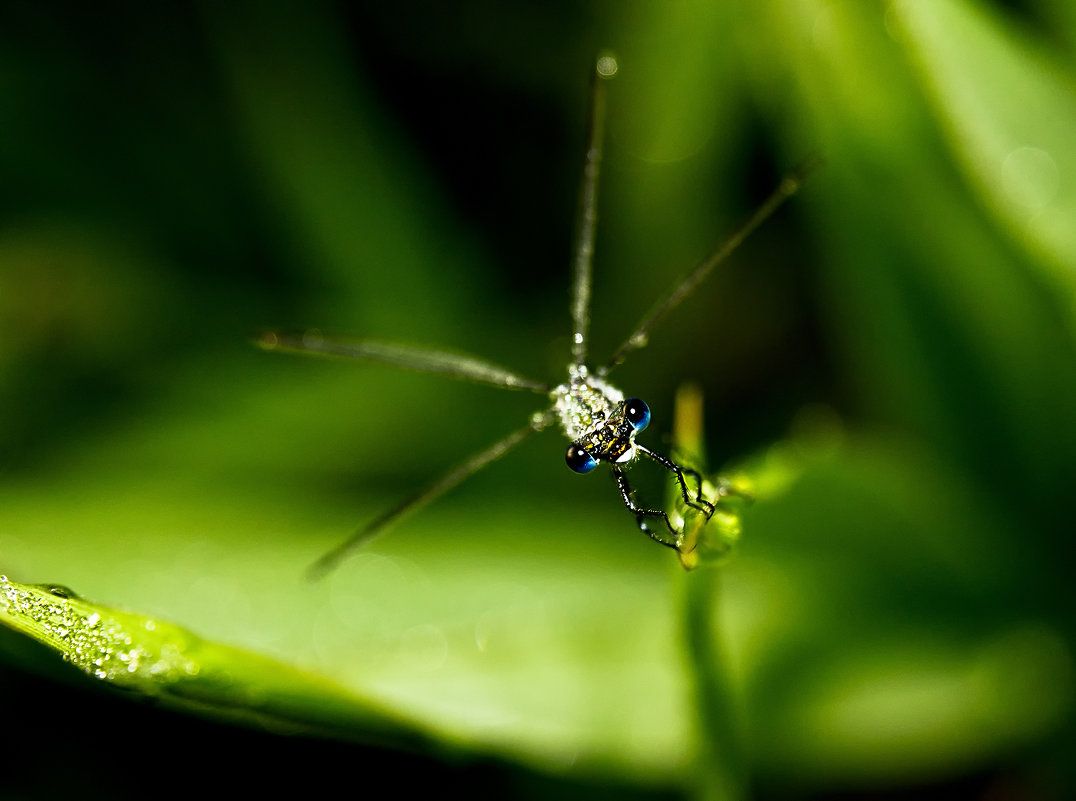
(584, 404)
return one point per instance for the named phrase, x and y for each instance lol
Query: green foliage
(889, 368)
(157, 659)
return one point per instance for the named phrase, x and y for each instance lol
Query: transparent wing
(789, 185)
(408, 357)
(446, 482)
(587, 220)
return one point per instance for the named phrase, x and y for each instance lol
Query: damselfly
(596, 417)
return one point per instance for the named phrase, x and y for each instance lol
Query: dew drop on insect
(607, 66)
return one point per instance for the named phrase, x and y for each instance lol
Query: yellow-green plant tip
(687, 421)
(706, 541)
(709, 542)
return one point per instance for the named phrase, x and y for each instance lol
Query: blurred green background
(892, 355)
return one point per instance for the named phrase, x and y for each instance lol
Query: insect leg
(406, 357)
(641, 514)
(698, 503)
(587, 216)
(687, 471)
(438, 487)
(789, 185)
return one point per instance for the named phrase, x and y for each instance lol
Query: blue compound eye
(637, 413)
(579, 459)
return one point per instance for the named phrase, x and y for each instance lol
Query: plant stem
(721, 769)
(721, 772)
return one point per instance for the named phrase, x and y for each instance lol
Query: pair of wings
(478, 370)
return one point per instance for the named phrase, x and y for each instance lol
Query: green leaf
(155, 658)
(1007, 106)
